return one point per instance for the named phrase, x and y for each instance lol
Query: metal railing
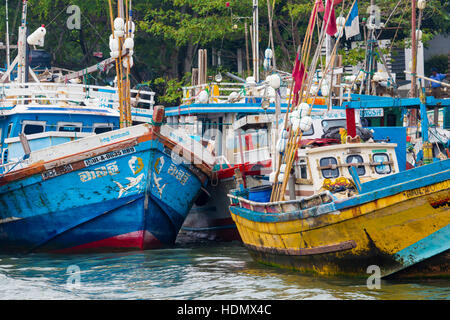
(243, 90)
(12, 94)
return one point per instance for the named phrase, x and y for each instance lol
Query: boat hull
(209, 219)
(128, 198)
(401, 227)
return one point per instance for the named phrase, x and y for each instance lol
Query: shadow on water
(200, 271)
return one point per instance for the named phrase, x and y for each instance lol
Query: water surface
(213, 271)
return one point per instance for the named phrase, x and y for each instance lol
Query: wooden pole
(413, 93)
(429, 79)
(246, 48)
(8, 57)
(118, 67)
(270, 14)
(256, 40)
(128, 71)
(22, 46)
(293, 144)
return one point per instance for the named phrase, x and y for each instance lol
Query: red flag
(298, 74)
(329, 15)
(319, 3)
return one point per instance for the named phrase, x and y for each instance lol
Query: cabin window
(8, 134)
(69, 127)
(382, 168)
(102, 128)
(329, 173)
(5, 156)
(355, 159)
(33, 127)
(302, 169)
(334, 123)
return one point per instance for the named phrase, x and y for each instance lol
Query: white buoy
(233, 96)
(126, 60)
(268, 53)
(421, 4)
(37, 37)
(119, 24)
(113, 44)
(131, 27)
(203, 97)
(250, 80)
(118, 34)
(128, 44)
(306, 124)
(325, 90)
(274, 81)
(419, 35)
(114, 54)
(303, 109)
(281, 145)
(340, 22)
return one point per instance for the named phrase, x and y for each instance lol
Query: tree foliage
(169, 32)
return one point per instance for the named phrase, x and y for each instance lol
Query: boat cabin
(329, 167)
(49, 114)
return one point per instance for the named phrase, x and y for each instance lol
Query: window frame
(388, 159)
(334, 170)
(329, 120)
(35, 123)
(74, 124)
(356, 167)
(102, 125)
(9, 130)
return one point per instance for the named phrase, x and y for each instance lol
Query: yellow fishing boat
(399, 223)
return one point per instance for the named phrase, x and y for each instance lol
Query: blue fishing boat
(75, 175)
(113, 191)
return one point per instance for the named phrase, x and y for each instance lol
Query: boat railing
(223, 90)
(285, 206)
(55, 93)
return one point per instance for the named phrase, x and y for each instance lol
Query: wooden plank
(343, 246)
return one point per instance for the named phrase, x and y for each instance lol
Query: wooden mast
(413, 92)
(255, 41)
(8, 58)
(22, 46)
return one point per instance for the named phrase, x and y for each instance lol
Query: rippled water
(215, 271)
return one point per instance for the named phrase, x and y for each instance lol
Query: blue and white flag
(352, 24)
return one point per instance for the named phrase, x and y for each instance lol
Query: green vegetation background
(169, 33)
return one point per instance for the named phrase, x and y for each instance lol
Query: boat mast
(22, 74)
(413, 92)
(8, 59)
(255, 41)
